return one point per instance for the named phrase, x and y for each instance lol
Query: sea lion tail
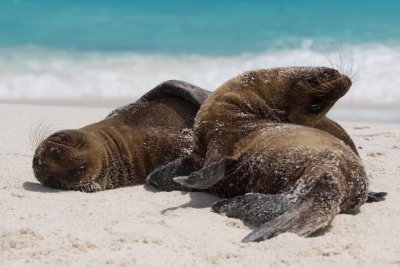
(176, 88)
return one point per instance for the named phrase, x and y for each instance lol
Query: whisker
(341, 60)
(353, 73)
(38, 133)
(327, 57)
(332, 57)
(349, 68)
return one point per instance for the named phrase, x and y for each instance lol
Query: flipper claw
(181, 179)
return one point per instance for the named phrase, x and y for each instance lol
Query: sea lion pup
(126, 146)
(300, 177)
(162, 176)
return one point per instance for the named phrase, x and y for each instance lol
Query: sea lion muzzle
(57, 155)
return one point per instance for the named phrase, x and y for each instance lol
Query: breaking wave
(40, 73)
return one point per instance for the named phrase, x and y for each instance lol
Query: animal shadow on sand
(198, 200)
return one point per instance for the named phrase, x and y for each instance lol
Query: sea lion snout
(326, 77)
(59, 158)
(346, 84)
(59, 146)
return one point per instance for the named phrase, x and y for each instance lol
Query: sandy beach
(138, 226)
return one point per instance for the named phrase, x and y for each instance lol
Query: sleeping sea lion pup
(126, 146)
(299, 177)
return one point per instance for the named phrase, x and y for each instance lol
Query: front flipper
(206, 177)
(254, 208)
(162, 177)
(376, 196)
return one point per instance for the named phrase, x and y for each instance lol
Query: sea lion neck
(120, 145)
(272, 89)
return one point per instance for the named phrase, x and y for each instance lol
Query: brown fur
(245, 102)
(332, 127)
(251, 118)
(123, 148)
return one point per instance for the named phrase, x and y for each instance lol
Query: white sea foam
(47, 74)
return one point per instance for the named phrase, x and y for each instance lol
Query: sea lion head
(72, 159)
(306, 94)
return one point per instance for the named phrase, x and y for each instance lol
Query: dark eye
(81, 170)
(315, 107)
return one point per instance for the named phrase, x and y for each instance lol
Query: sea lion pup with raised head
(126, 146)
(300, 177)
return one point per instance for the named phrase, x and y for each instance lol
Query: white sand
(137, 226)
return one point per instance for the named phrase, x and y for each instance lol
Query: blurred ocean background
(109, 52)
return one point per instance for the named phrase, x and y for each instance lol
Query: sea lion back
(176, 88)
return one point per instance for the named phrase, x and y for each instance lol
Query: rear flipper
(206, 177)
(162, 177)
(298, 220)
(253, 208)
(311, 210)
(376, 196)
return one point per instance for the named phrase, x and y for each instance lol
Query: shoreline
(356, 112)
(141, 226)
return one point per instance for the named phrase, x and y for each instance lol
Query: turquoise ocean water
(219, 27)
(115, 49)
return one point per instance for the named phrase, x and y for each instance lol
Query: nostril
(37, 161)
